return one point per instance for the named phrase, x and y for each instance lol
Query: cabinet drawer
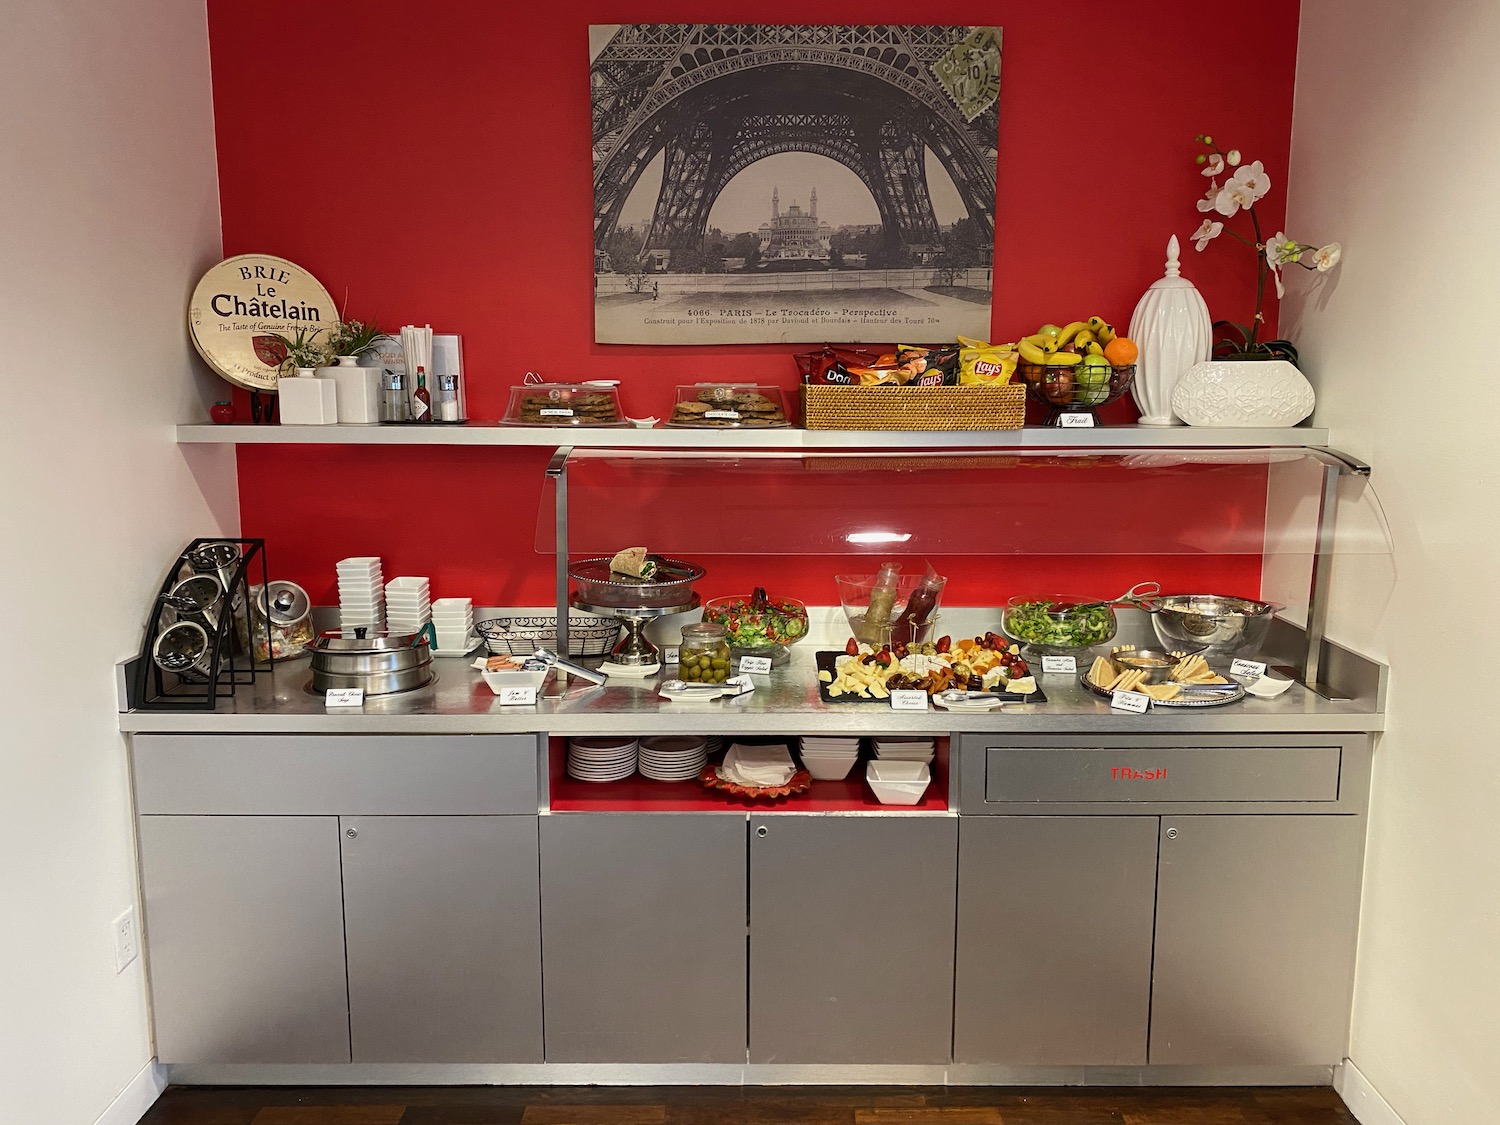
(1161, 774)
(306, 775)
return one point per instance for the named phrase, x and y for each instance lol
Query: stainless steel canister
(183, 649)
(380, 663)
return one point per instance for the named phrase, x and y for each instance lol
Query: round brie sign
(243, 304)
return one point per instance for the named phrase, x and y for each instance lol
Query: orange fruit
(1120, 351)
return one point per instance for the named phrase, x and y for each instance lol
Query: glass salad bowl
(759, 625)
(1057, 624)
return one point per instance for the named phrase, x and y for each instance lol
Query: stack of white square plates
(673, 757)
(408, 605)
(904, 749)
(361, 593)
(601, 759)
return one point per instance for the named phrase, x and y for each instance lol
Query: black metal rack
(229, 659)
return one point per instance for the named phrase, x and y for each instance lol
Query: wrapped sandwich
(633, 561)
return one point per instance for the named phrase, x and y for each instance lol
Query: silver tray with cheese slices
(1169, 679)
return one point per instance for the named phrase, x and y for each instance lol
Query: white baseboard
(1363, 1100)
(139, 1095)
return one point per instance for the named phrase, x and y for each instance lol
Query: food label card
(1064, 664)
(344, 697)
(1135, 701)
(902, 700)
(757, 664)
(1247, 668)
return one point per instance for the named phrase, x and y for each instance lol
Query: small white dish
(1266, 687)
(643, 423)
(473, 643)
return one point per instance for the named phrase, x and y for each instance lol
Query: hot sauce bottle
(421, 399)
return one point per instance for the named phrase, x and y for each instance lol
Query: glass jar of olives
(703, 656)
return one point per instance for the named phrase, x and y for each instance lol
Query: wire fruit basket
(1073, 389)
(521, 636)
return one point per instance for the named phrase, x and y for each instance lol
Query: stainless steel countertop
(785, 702)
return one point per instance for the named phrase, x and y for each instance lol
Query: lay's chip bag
(985, 364)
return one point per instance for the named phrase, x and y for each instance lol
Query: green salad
(759, 621)
(1037, 623)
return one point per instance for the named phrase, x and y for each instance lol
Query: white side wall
(108, 215)
(1396, 153)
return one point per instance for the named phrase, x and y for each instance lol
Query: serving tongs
(1137, 596)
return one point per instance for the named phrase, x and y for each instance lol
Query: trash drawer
(1115, 775)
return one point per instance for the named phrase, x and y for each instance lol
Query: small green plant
(303, 350)
(354, 337)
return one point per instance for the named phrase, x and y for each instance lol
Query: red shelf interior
(641, 794)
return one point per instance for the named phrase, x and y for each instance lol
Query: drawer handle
(1171, 833)
(762, 830)
(351, 832)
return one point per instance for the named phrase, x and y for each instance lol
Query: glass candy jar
(703, 656)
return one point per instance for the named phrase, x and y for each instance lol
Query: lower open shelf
(641, 794)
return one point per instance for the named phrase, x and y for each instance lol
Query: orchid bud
(1202, 159)
(1233, 157)
(1206, 139)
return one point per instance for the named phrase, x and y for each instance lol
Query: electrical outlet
(126, 944)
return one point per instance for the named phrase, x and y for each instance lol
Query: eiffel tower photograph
(773, 183)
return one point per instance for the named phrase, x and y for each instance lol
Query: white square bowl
(499, 681)
(829, 769)
(898, 783)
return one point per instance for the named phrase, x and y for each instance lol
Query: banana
(1070, 330)
(1083, 339)
(1094, 348)
(1031, 353)
(1105, 334)
(1064, 359)
(1097, 322)
(1036, 340)
(1050, 346)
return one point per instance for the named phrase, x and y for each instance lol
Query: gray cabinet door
(1255, 934)
(851, 938)
(443, 927)
(643, 937)
(1054, 940)
(245, 935)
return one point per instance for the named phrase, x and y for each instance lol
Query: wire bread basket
(522, 636)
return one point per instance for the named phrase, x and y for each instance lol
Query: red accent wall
(431, 163)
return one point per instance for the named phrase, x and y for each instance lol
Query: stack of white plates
(904, 749)
(601, 759)
(408, 605)
(453, 619)
(828, 759)
(361, 594)
(673, 757)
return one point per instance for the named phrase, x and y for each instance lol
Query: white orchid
(1244, 189)
(1327, 257)
(1206, 233)
(1246, 185)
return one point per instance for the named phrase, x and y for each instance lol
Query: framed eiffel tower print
(770, 183)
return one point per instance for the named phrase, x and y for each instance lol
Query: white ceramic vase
(1243, 392)
(307, 400)
(358, 390)
(1173, 331)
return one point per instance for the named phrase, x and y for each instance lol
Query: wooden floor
(749, 1105)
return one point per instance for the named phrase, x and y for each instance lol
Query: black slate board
(826, 661)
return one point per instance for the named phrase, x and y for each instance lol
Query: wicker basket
(970, 407)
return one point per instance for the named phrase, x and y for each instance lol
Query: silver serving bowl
(1219, 626)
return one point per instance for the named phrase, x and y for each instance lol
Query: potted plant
(303, 351)
(1254, 381)
(351, 339)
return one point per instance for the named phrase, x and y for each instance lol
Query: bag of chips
(985, 364)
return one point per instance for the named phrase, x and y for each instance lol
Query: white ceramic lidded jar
(1173, 331)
